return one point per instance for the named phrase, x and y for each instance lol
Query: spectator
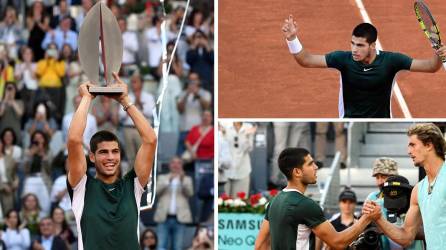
(173, 190)
(148, 240)
(171, 117)
(37, 165)
(106, 113)
(8, 180)
(129, 43)
(61, 227)
(200, 144)
(224, 159)
(321, 142)
(15, 237)
(176, 19)
(86, 6)
(11, 149)
(41, 120)
(200, 58)
(11, 109)
(200, 139)
(50, 72)
(191, 103)
(31, 214)
(347, 205)
(196, 23)
(6, 70)
(144, 102)
(25, 73)
(174, 24)
(176, 66)
(133, 6)
(73, 76)
(345, 218)
(11, 32)
(61, 35)
(37, 24)
(203, 239)
(116, 10)
(63, 11)
(67, 56)
(241, 141)
(154, 45)
(59, 193)
(287, 134)
(90, 129)
(48, 240)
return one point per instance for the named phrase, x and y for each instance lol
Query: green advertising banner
(238, 230)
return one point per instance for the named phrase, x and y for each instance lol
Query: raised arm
(431, 65)
(302, 56)
(144, 157)
(263, 241)
(77, 165)
(406, 234)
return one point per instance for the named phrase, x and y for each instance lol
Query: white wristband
(294, 46)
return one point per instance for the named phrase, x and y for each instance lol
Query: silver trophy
(100, 33)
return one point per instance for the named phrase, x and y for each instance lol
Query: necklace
(430, 188)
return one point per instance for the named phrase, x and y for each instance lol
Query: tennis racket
(428, 25)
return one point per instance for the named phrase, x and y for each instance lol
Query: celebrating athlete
(106, 207)
(367, 75)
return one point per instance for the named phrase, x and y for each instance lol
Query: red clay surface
(258, 78)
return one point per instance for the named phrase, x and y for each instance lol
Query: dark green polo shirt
(107, 215)
(366, 89)
(291, 216)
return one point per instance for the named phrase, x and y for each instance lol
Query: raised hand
(83, 90)
(119, 83)
(289, 28)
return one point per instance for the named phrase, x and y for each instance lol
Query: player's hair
(367, 31)
(291, 158)
(429, 133)
(102, 136)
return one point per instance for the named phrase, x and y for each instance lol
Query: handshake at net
(371, 210)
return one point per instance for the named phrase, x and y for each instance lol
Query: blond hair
(429, 133)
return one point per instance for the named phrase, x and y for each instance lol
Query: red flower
(273, 192)
(241, 195)
(254, 199)
(224, 196)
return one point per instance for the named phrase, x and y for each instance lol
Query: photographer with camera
(382, 168)
(427, 149)
(396, 191)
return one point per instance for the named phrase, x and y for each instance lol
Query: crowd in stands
(236, 144)
(39, 75)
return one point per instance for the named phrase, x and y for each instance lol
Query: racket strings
(428, 24)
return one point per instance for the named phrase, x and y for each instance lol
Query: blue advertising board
(238, 230)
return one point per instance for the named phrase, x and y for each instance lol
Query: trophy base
(106, 90)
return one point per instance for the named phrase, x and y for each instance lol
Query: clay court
(258, 78)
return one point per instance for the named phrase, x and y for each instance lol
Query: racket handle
(444, 65)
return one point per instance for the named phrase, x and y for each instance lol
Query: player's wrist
(125, 100)
(294, 45)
